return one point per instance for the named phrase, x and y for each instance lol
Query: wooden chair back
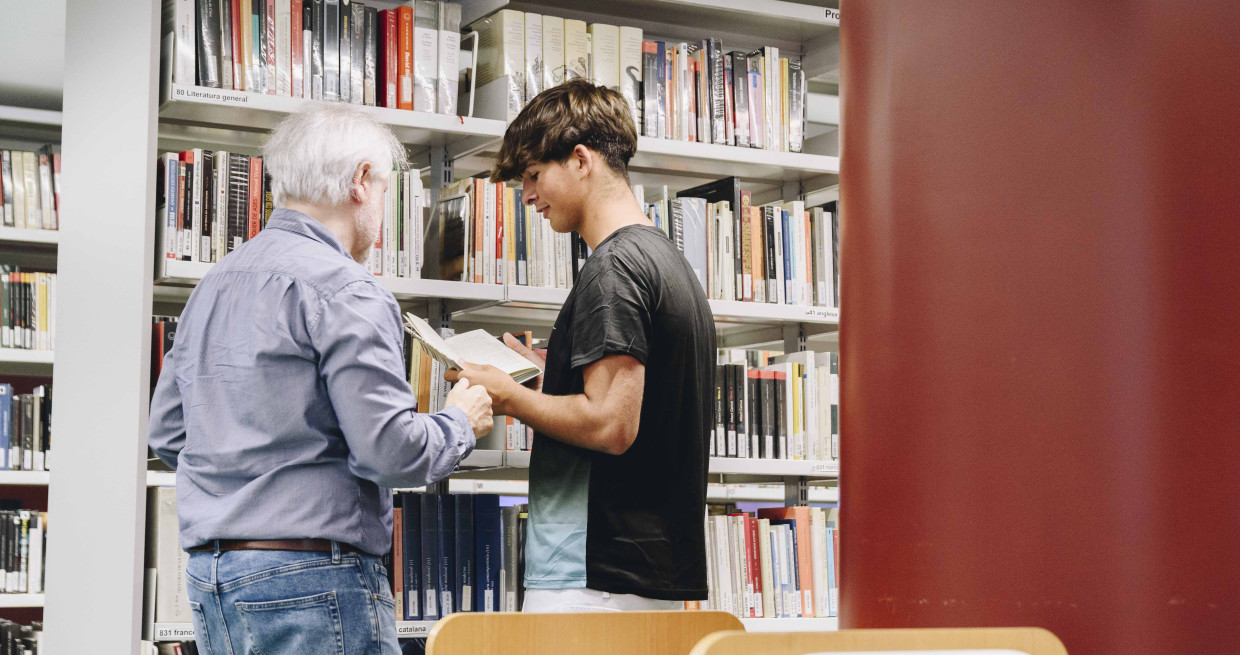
(936, 641)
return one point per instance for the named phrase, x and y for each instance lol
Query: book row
(406, 57)
(26, 317)
(786, 409)
(781, 253)
(25, 428)
(210, 202)
(23, 550)
(781, 563)
(684, 91)
(173, 648)
(30, 188)
(19, 639)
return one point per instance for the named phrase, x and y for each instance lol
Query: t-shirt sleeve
(611, 315)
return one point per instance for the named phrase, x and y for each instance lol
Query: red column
(1041, 320)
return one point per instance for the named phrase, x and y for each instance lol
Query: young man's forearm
(574, 420)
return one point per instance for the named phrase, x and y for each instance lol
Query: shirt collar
(291, 220)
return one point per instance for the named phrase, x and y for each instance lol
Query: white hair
(313, 154)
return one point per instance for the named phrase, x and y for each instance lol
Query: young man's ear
(583, 160)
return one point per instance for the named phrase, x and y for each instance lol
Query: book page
(435, 345)
(478, 347)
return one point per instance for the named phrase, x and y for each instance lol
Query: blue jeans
(272, 602)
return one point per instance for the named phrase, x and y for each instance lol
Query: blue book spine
(777, 587)
(464, 539)
(411, 508)
(6, 421)
(430, 557)
(519, 220)
(488, 534)
(447, 555)
(830, 569)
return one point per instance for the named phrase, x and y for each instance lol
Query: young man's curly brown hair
(560, 118)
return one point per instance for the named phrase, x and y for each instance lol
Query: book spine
(219, 219)
(426, 55)
(729, 103)
(6, 186)
(284, 48)
(315, 26)
(463, 573)
(449, 64)
(30, 174)
(447, 554)
(576, 50)
(717, 114)
(720, 446)
(398, 559)
(297, 53)
(346, 50)
(430, 557)
(205, 223)
(255, 197)
(796, 106)
(553, 51)
(533, 55)
(357, 54)
(370, 66)
(631, 71)
(185, 42)
(331, 49)
(405, 55)
(389, 57)
(411, 537)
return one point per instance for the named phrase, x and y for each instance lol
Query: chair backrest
(599, 633)
(936, 641)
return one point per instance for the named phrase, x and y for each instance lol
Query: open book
(476, 347)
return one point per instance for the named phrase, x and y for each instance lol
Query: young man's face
(553, 189)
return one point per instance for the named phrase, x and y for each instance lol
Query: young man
(623, 410)
(285, 410)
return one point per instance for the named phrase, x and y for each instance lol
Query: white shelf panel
(27, 478)
(27, 116)
(21, 600)
(17, 361)
(29, 236)
(733, 311)
(780, 467)
(539, 296)
(723, 493)
(174, 632)
(814, 624)
(517, 459)
(258, 112)
(405, 288)
(710, 160)
(480, 459)
(179, 272)
(161, 478)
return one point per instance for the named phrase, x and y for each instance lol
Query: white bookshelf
(812, 624)
(100, 432)
(24, 478)
(21, 600)
(28, 237)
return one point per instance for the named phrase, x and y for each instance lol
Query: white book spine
(172, 166)
(392, 247)
(780, 286)
(219, 229)
(284, 49)
(449, 57)
(425, 55)
(185, 43)
(576, 50)
(196, 224)
(512, 31)
(553, 51)
(631, 71)
(605, 40)
(307, 77)
(488, 233)
(533, 55)
(773, 114)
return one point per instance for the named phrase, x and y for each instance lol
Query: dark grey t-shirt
(631, 523)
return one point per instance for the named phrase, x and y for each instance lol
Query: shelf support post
(794, 338)
(796, 491)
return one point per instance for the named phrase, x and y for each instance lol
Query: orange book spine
(759, 253)
(479, 228)
(256, 197)
(405, 54)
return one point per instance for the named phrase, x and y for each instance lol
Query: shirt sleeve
(166, 427)
(611, 315)
(358, 338)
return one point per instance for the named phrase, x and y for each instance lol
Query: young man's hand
(538, 357)
(475, 402)
(497, 383)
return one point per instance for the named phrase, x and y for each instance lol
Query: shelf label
(174, 632)
(822, 312)
(418, 629)
(220, 95)
(833, 14)
(825, 467)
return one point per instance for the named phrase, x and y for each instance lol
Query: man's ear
(583, 160)
(360, 183)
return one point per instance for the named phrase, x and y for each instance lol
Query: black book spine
(4, 553)
(768, 417)
(238, 199)
(371, 72)
(781, 421)
(754, 398)
(208, 205)
(208, 19)
(720, 442)
(768, 219)
(740, 97)
(833, 207)
(739, 383)
(187, 218)
(226, 45)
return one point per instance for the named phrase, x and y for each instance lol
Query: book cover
(425, 55)
(430, 562)
(405, 57)
(446, 531)
(488, 535)
(576, 50)
(533, 55)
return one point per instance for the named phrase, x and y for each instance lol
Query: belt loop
(216, 542)
(335, 552)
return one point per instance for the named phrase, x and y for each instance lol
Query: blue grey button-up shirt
(284, 405)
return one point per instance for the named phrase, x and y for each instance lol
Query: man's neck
(610, 208)
(339, 220)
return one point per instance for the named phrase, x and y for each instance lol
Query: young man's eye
(534, 177)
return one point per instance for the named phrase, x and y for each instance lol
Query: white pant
(548, 601)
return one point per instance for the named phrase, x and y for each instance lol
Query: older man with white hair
(285, 410)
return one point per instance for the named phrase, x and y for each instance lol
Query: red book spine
(755, 564)
(256, 197)
(479, 231)
(404, 98)
(391, 59)
(296, 41)
(239, 67)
